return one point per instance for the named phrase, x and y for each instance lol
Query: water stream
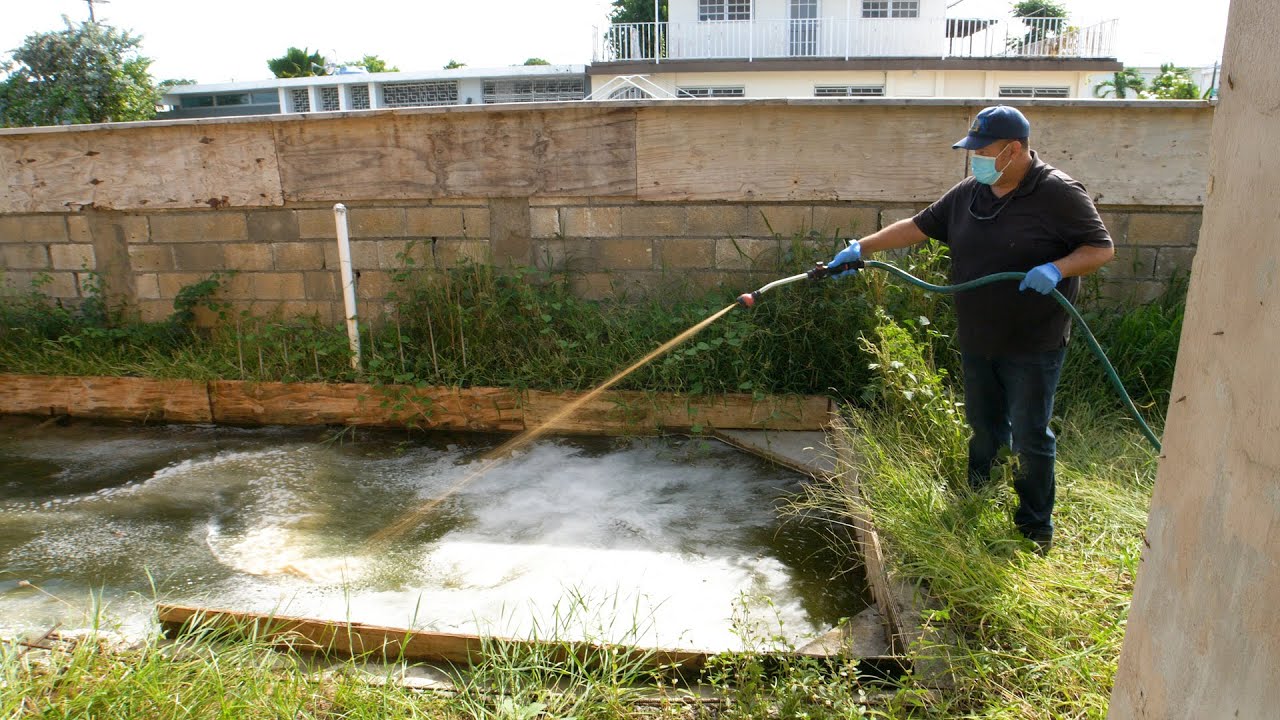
(670, 541)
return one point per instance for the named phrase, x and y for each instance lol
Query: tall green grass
(1023, 636)
(474, 326)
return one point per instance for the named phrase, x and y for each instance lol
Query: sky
(233, 39)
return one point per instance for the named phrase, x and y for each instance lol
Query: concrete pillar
(509, 231)
(1203, 638)
(111, 234)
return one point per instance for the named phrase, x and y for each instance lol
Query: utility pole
(92, 19)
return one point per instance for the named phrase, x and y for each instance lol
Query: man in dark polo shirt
(1013, 213)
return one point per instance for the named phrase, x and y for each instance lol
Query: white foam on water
(650, 542)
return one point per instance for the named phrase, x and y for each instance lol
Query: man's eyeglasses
(998, 208)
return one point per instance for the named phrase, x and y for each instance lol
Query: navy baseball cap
(1000, 122)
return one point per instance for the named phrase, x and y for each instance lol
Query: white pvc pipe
(348, 283)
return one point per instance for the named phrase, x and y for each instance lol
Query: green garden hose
(821, 271)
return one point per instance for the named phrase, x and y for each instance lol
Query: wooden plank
(264, 403)
(474, 409)
(778, 153)
(633, 412)
(1128, 156)
(887, 600)
(144, 399)
(179, 166)
(569, 152)
(349, 638)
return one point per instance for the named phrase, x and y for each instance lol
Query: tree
(374, 64)
(644, 43)
(1121, 84)
(297, 63)
(454, 64)
(87, 72)
(636, 11)
(1173, 83)
(536, 61)
(1039, 8)
(1044, 20)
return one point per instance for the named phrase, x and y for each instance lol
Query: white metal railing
(857, 37)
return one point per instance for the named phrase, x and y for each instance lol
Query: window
(265, 97)
(196, 101)
(710, 91)
(630, 92)
(724, 10)
(236, 99)
(890, 8)
(848, 90)
(534, 90)
(329, 101)
(1025, 91)
(300, 99)
(359, 97)
(417, 94)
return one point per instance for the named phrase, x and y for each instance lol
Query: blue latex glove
(849, 254)
(1042, 278)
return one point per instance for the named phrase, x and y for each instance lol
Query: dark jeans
(1006, 398)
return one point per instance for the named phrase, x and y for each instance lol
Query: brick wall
(286, 260)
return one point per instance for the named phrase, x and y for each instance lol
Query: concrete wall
(1203, 636)
(630, 197)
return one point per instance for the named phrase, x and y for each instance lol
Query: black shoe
(1043, 540)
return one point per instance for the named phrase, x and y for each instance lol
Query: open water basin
(670, 542)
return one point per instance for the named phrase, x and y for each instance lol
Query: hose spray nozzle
(820, 270)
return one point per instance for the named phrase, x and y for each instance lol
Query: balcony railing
(858, 37)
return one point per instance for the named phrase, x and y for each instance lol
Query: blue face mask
(984, 168)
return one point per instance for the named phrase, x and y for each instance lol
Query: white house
(365, 91)
(843, 48)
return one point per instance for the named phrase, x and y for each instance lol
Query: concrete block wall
(285, 260)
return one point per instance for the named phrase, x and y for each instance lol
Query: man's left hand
(1042, 278)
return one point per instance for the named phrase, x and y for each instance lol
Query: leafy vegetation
(474, 326)
(374, 64)
(298, 63)
(1173, 83)
(1121, 84)
(85, 73)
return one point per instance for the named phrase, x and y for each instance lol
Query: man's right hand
(850, 254)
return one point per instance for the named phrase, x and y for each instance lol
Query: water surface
(669, 541)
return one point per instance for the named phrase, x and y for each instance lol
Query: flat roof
(462, 73)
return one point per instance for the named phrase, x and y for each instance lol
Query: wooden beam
(270, 403)
(113, 398)
(631, 412)
(360, 639)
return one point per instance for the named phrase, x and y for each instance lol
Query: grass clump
(1022, 636)
(472, 325)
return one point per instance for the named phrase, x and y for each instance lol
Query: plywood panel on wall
(564, 152)
(798, 152)
(150, 167)
(1128, 155)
